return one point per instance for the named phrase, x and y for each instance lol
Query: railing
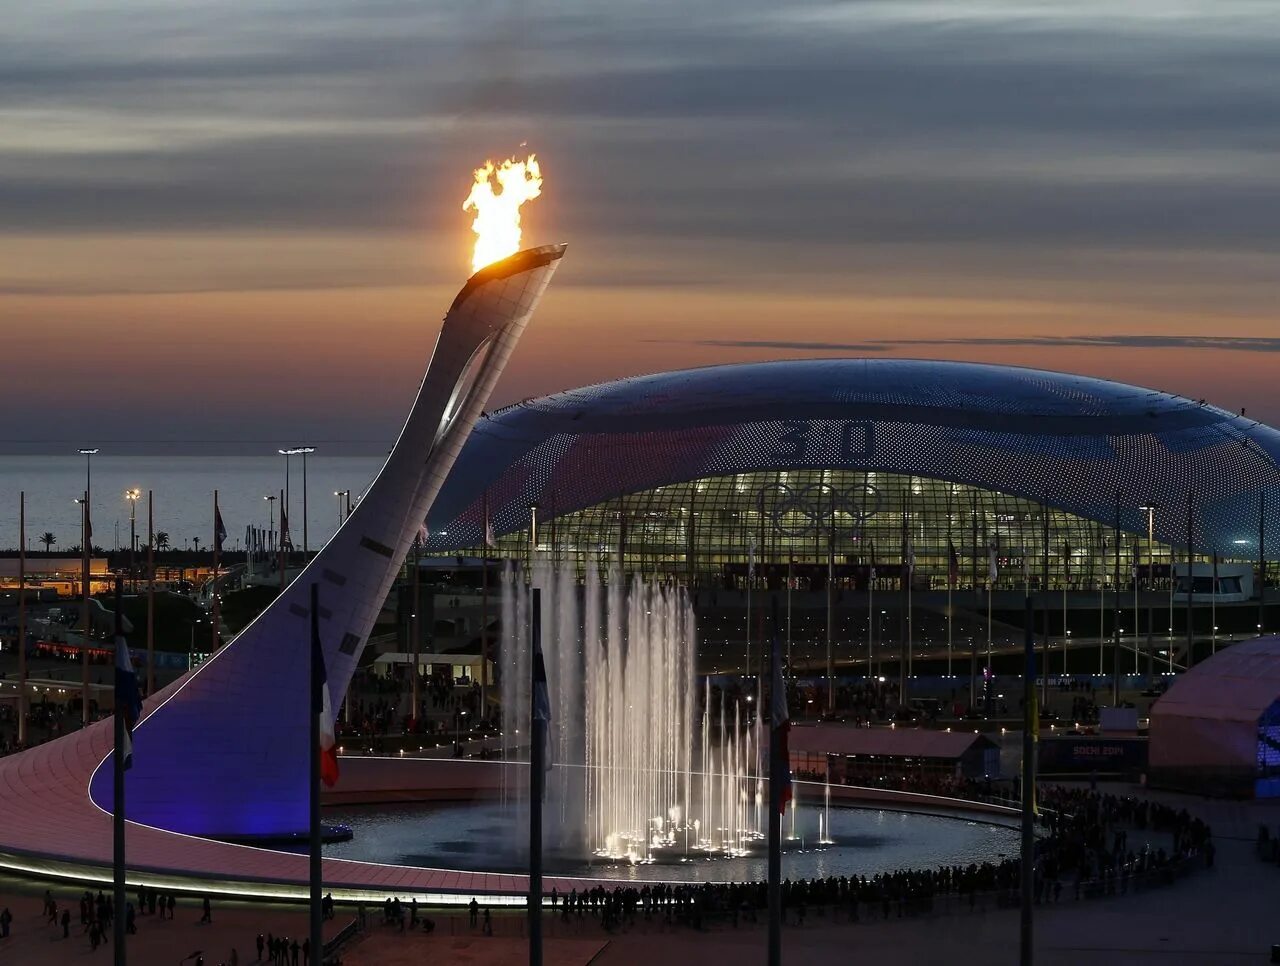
(328, 956)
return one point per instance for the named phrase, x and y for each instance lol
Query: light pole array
(287, 453)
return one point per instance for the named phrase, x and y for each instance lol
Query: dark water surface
(482, 838)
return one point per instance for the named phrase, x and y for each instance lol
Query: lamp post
(133, 496)
(344, 499)
(86, 550)
(287, 453)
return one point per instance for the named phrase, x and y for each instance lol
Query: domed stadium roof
(1071, 441)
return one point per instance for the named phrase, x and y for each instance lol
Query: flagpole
(22, 619)
(86, 537)
(871, 617)
(775, 811)
(151, 597)
(313, 787)
(415, 629)
(484, 611)
(537, 775)
(1066, 579)
(1028, 782)
(213, 590)
(284, 517)
(831, 561)
(1213, 606)
(790, 562)
(751, 573)
(952, 573)
(117, 814)
(1115, 650)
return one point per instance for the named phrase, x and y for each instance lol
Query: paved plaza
(1220, 916)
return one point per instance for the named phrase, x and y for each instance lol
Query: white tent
(1217, 729)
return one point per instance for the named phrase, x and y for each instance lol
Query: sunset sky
(227, 225)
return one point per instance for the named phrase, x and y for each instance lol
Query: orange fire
(497, 221)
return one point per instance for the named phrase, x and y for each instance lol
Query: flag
(781, 725)
(219, 530)
(542, 701)
(285, 542)
(1026, 566)
(992, 571)
(953, 565)
(751, 559)
(424, 534)
(128, 700)
(88, 528)
(328, 749)
(1066, 559)
(1215, 571)
(873, 561)
(489, 539)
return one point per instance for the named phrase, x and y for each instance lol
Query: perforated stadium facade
(692, 474)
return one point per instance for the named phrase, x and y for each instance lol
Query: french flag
(781, 730)
(328, 746)
(128, 698)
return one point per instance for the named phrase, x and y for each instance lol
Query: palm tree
(48, 539)
(162, 540)
(195, 542)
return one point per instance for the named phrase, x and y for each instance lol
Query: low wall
(896, 798)
(371, 780)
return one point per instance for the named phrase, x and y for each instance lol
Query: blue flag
(128, 699)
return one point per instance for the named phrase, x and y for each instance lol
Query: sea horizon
(183, 488)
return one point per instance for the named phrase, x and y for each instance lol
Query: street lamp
(343, 496)
(297, 451)
(457, 732)
(132, 495)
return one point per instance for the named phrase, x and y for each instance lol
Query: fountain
(625, 783)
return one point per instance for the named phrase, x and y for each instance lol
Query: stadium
(880, 475)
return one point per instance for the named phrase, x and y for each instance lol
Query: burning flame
(497, 221)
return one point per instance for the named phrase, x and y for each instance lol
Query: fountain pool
(477, 837)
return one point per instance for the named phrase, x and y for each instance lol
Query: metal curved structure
(1068, 441)
(223, 752)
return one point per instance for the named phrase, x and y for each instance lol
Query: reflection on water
(483, 837)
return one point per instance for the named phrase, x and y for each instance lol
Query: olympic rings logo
(798, 512)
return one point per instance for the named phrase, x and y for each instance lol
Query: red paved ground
(235, 926)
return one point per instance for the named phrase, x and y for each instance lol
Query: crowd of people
(97, 914)
(1084, 850)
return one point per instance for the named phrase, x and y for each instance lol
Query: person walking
(6, 917)
(207, 917)
(66, 923)
(488, 922)
(261, 943)
(173, 902)
(474, 909)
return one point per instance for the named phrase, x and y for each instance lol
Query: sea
(182, 488)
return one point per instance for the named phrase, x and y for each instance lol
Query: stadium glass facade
(708, 532)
